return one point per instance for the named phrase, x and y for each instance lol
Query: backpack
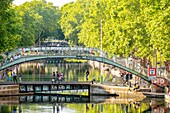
(130, 76)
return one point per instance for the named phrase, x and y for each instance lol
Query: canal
(42, 71)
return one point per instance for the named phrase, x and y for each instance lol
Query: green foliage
(141, 28)
(39, 21)
(71, 20)
(8, 26)
(133, 26)
(75, 60)
(1, 57)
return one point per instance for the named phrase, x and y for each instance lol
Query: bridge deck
(77, 56)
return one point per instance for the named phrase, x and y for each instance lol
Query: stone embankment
(122, 92)
(9, 100)
(167, 98)
(8, 90)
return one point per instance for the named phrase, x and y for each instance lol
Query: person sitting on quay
(136, 87)
(136, 105)
(94, 80)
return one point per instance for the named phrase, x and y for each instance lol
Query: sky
(55, 2)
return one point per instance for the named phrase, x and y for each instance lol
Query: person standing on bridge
(87, 75)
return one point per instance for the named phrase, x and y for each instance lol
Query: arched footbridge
(28, 58)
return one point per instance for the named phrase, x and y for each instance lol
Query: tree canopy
(127, 27)
(39, 21)
(141, 28)
(8, 26)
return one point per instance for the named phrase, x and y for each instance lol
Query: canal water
(42, 71)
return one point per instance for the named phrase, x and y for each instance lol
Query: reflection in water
(42, 71)
(83, 108)
(20, 110)
(30, 104)
(87, 108)
(14, 109)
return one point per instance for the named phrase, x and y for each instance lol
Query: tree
(9, 23)
(39, 21)
(72, 19)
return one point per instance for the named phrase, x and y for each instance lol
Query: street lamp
(101, 50)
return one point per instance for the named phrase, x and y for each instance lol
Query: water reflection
(60, 105)
(60, 98)
(42, 71)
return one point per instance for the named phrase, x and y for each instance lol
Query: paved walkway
(154, 94)
(43, 82)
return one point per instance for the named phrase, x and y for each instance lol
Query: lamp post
(101, 50)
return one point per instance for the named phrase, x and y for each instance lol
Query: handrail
(85, 57)
(65, 52)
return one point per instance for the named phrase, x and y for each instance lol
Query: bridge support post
(89, 90)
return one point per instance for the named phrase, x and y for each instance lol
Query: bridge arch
(84, 57)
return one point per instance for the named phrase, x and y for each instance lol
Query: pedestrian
(136, 105)
(87, 75)
(93, 80)
(57, 76)
(62, 77)
(126, 79)
(53, 79)
(14, 78)
(20, 77)
(10, 75)
(122, 74)
(136, 86)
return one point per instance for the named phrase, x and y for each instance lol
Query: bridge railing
(31, 51)
(56, 51)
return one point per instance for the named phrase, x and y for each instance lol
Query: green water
(42, 71)
(144, 107)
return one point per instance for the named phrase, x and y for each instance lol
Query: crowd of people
(57, 77)
(126, 78)
(10, 75)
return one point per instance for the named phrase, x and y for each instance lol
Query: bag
(53, 80)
